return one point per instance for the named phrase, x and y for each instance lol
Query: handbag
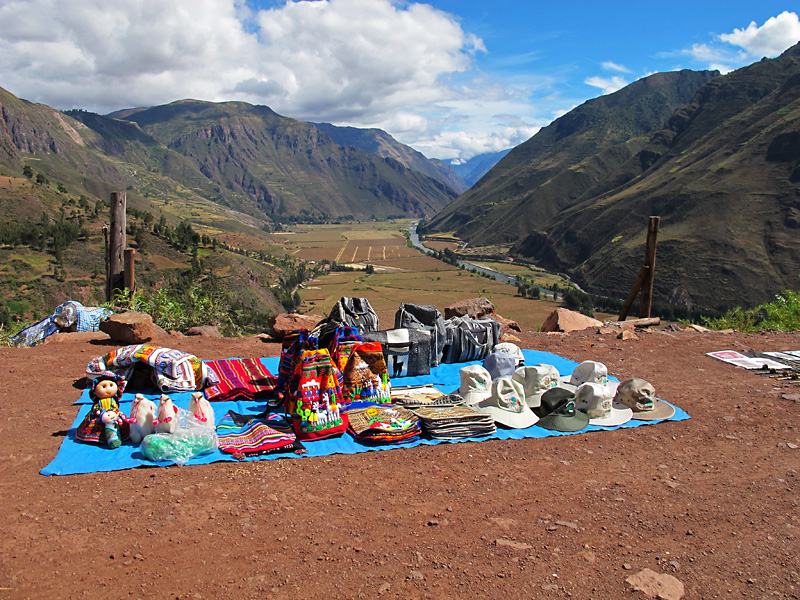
(407, 351)
(427, 318)
(470, 339)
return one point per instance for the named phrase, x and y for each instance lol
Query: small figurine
(143, 414)
(105, 423)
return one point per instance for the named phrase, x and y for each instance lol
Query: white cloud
(771, 39)
(729, 51)
(607, 85)
(378, 63)
(612, 66)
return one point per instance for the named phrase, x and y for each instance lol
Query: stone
(131, 327)
(477, 308)
(205, 331)
(503, 542)
(657, 585)
(508, 337)
(565, 320)
(505, 324)
(627, 334)
(283, 323)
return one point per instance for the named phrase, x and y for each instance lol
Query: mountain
(547, 173)
(724, 176)
(286, 166)
(476, 167)
(716, 157)
(380, 143)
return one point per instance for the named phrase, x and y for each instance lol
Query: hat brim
(661, 411)
(619, 415)
(473, 397)
(535, 400)
(514, 420)
(564, 423)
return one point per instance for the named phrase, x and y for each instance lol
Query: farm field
(404, 275)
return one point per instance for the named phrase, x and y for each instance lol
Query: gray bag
(425, 317)
(470, 339)
(407, 351)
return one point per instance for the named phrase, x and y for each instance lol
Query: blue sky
(451, 78)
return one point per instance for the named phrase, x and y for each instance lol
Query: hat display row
(540, 395)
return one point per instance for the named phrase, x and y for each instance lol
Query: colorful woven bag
(313, 397)
(366, 376)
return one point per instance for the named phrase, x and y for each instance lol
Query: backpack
(355, 312)
(425, 317)
(407, 351)
(365, 375)
(313, 397)
(470, 339)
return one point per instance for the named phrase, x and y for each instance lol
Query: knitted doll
(105, 422)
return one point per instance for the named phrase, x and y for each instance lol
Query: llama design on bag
(314, 397)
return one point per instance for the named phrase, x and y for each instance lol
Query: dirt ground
(712, 501)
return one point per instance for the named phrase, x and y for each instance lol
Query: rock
(657, 585)
(79, 336)
(508, 337)
(503, 542)
(283, 323)
(505, 324)
(607, 330)
(205, 331)
(565, 320)
(130, 327)
(477, 308)
(627, 334)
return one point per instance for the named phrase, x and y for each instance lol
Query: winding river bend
(417, 243)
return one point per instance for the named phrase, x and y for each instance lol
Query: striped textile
(248, 436)
(240, 378)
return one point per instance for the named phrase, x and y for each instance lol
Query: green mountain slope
(725, 179)
(286, 166)
(543, 176)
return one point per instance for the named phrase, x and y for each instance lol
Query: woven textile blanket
(173, 370)
(240, 378)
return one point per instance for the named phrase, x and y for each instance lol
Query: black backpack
(355, 312)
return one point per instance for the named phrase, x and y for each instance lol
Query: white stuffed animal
(167, 421)
(201, 409)
(143, 415)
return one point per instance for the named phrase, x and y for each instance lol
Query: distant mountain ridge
(236, 154)
(721, 168)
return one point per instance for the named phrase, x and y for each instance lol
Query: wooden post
(634, 291)
(116, 245)
(129, 277)
(650, 261)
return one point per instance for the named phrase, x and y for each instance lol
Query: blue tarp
(78, 457)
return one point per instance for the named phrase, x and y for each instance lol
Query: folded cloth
(454, 422)
(383, 424)
(173, 370)
(240, 378)
(249, 435)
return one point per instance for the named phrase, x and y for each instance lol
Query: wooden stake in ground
(644, 281)
(116, 245)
